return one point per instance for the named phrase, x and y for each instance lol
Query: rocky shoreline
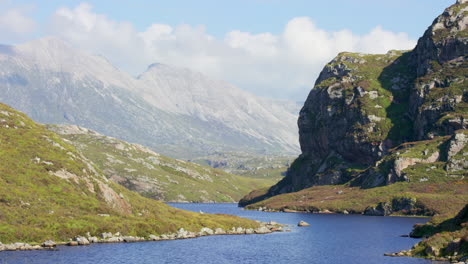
(451, 259)
(108, 237)
(371, 211)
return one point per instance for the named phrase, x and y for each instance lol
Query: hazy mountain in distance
(174, 111)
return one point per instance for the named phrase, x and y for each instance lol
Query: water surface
(331, 238)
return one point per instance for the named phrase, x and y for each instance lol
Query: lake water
(331, 238)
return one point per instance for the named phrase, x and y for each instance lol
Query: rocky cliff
(372, 120)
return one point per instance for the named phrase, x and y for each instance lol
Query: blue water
(331, 238)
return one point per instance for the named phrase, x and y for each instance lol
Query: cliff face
(363, 106)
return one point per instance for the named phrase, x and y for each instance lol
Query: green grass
(434, 198)
(157, 176)
(36, 205)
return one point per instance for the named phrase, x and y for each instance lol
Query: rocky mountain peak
(446, 39)
(365, 108)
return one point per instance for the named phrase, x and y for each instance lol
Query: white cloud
(283, 65)
(15, 24)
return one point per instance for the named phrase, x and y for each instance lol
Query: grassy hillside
(429, 187)
(445, 238)
(156, 176)
(49, 191)
(249, 165)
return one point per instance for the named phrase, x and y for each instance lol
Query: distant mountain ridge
(174, 111)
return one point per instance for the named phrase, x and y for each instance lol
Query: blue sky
(411, 16)
(240, 41)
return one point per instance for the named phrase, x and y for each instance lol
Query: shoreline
(109, 238)
(340, 212)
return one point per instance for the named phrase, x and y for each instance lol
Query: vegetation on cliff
(376, 120)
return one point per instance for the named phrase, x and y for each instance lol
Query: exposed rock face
(458, 152)
(363, 106)
(440, 90)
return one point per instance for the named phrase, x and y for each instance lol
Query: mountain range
(174, 111)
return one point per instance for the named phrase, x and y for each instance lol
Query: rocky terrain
(156, 176)
(375, 120)
(108, 237)
(387, 135)
(176, 112)
(444, 239)
(50, 191)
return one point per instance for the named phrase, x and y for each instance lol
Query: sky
(272, 48)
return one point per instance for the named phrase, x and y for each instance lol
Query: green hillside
(155, 176)
(48, 190)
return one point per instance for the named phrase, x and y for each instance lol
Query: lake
(331, 238)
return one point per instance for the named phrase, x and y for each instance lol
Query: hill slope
(383, 126)
(48, 190)
(155, 176)
(173, 111)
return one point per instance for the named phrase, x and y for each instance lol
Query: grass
(36, 205)
(434, 198)
(157, 176)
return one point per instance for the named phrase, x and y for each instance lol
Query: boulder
(49, 244)
(432, 251)
(303, 223)
(153, 238)
(240, 230)
(219, 231)
(106, 235)
(72, 243)
(114, 239)
(206, 231)
(93, 239)
(262, 230)
(82, 241)
(129, 239)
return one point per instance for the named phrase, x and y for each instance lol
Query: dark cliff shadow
(398, 78)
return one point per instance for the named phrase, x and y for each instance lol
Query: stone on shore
(82, 241)
(262, 230)
(106, 235)
(48, 244)
(206, 231)
(303, 223)
(93, 239)
(154, 238)
(219, 231)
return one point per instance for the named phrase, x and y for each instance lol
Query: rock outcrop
(372, 120)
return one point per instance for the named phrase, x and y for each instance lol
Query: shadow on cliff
(398, 78)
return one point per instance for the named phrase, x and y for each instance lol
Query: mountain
(377, 129)
(156, 176)
(173, 111)
(48, 190)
